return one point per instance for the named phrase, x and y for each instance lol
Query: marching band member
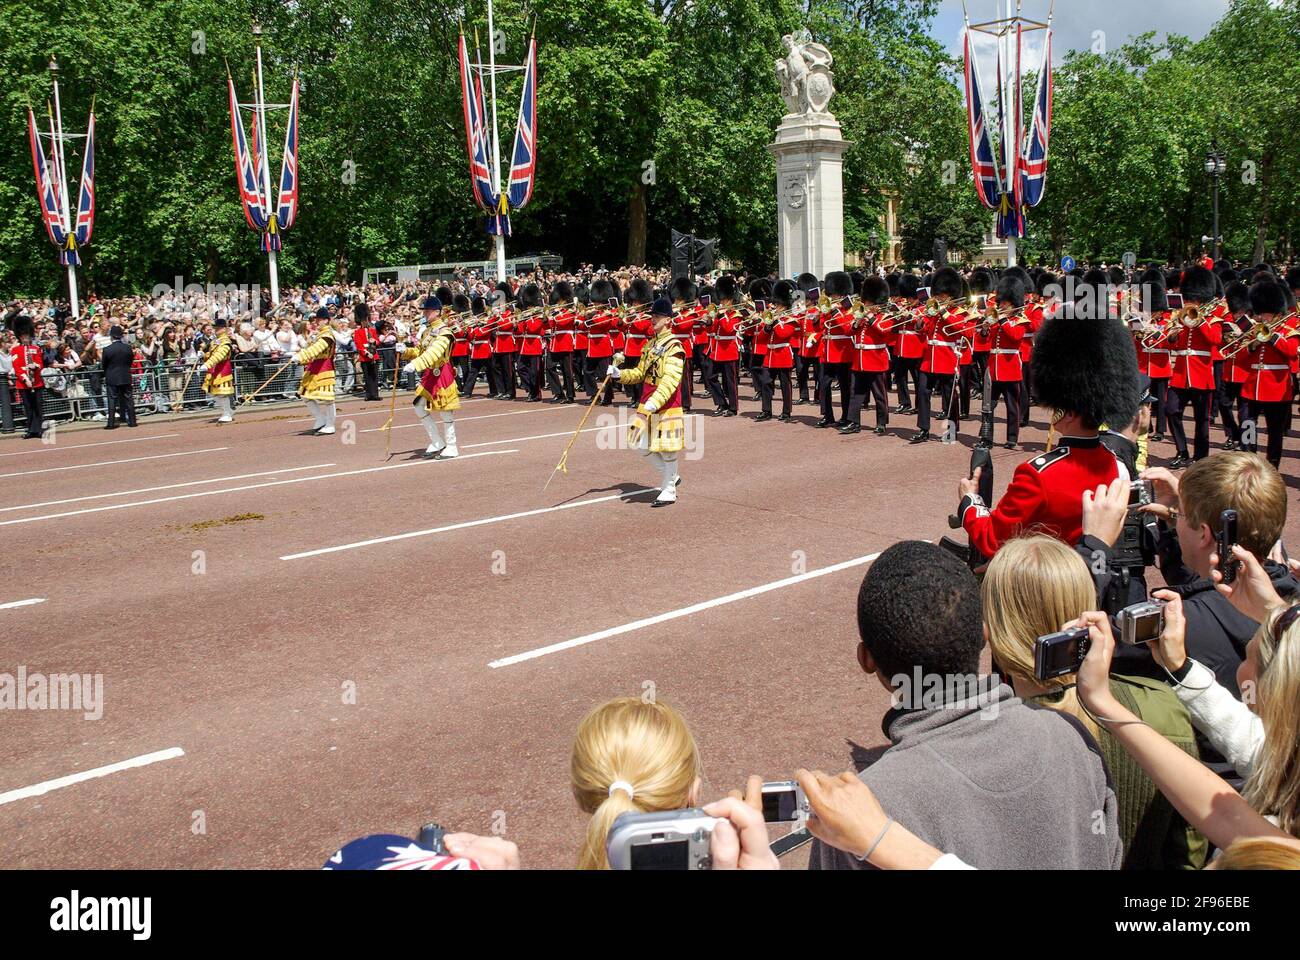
(760, 292)
(1006, 331)
(640, 328)
(657, 428)
(684, 294)
(218, 368)
(809, 347)
(942, 330)
(480, 351)
(700, 337)
(1236, 369)
(1191, 346)
(910, 346)
(981, 285)
(27, 362)
(1269, 390)
(317, 385)
(503, 342)
(724, 350)
(460, 348)
(837, 349)
(437, 391)
(1153, 348)
(873, 333)
(530, 336)
(366, 342)
(783, 334)
(563, 327)
(582, 310)
(1086, 371)
(603, 319)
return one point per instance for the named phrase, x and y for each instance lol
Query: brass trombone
(1258, 335)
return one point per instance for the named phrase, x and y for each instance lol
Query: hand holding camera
(1106, 508)
(1251, 590)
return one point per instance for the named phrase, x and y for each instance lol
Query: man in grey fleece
(971, 769)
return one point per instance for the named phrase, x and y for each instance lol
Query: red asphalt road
(246, 666)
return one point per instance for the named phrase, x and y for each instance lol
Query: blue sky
(1076, 20)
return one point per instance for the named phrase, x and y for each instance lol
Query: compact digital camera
(1060, 653)
(1141, 622)
(785, 802)
(661, 840)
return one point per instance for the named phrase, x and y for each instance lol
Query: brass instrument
(1258, 335)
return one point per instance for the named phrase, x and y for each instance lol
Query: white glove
(409, 368)
(400, 346)
(296, 358)
(203, 368)
(612, 372)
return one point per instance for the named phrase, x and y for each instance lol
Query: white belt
(1008, 353)
(837, 336)
(1271, 366)
(1157, 351)
(726, 338)
(531, 336)
(1191, 353)
(873, 346)
(943, 343)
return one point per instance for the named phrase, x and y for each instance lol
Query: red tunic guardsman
(684, 295)
(1269, 390)
(809, 337)
(504, 345)
(946, 322)
(28, 359)
(836, 357)
(602, 320)
(910, 347)
(640, 328)
(366, 343)
(1195, 333)
(1007, 331)
(531, 326)
(782, 331)
(563, 338)
(873, 332)
(480, 349)
(724, 350)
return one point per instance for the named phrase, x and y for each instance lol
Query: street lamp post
(1216, 165)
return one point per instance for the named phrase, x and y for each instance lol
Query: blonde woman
(1035, 585)
(630, 757)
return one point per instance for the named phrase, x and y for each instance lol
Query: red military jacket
(1159, 357)
(871, 340)
(702, 334)
(837, 336)
(1221, 316)
(911, 335)
(810, 334)
(481, 349)
(617, 339)
(782, 343)
(1045, 496)
(27, 366)
(1004, 350)
(1192, 351)
(531, 331)
(598, 330)
(1269, 369)
(725, 345)
(683, 326)
(941, 347)
(1036, 314)
(367, 343)
(503, 337)
(640, 331)
(562, 330)
(1237, 368)
(580, 329)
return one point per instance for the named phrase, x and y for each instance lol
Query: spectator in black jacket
(117, 360)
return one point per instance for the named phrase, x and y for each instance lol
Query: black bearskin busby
(947, 281)
(1154, 298)
(561, 292)
(806, 282)
(1087, 366)
(1198, 285)
(361, 312)
(783, 294)
(639, 292)
(858, 279)
(602, 291)
(1011, 290)
(895, 281)
(760, 289)
(874, 290)
(838, 284)
(908, 284)
(981, 282)
(1267, 297)
(443, 293)
(726, 287)
(24, 326)
(530, 296)
(682, 289)
(503, 294)
(478, 305)
(460, 303)
(1238, 295)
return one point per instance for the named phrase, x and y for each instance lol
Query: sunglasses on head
(1284, 621)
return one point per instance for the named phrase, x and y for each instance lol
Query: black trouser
(842, 374)
(1229, 398)
(723, 384)
(33, 410)
(908, 367)
(1008, 390)
(1026, 393)
(772, 377)
(462, 372)
(121, 404)
(966, 383)
(1160, 390)
(1277, 418)
(979, 364)
(593, 371)
(686, 383)
(531, 368)
(872, 382)
(483, 365)
(807, 369)
(559, 374)
(940, 383)
(700, 359)
(506, 379)
(762, 380)
(1175, 404)
(370, 374)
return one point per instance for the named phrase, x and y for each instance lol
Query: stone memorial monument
(809, 151)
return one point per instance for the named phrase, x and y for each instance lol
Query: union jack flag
(1033, 162)
(471, 88)
(1011, 213)
(523, 167)
(983, 161)
(86, 198)
(287, 209)
(250, 189)
(47, 192)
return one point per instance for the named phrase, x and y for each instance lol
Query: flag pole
(61, 171)
(260, 101)
(496, 142)
(1010, 137)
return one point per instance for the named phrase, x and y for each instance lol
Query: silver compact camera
(661, 840)
(1140, 622)
(785, 802)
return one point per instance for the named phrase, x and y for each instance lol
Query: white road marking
(555, 408)
(548, 436)
(251, 486)
(682, 612)
(111, 463)
(21, 603)
(342, 415)
(38, 789)
(462, 526)
(166, 486)
(55, 447)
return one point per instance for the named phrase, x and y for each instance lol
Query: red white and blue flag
(46, 190)
(471, 89)
(983, 161)
(287, 208)
(250, 188)
(1033, 163)
(86, 198)
(523, 166)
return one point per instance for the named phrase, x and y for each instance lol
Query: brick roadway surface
(320, 696)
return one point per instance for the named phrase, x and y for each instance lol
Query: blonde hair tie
(624, 786)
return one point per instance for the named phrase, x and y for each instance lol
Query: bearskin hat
(1154, 298)
(502, 294)
(1011, 289)
(895, 281)
(874, 290)
(760, 289)
(1198, 285)
(602, 291)
(1152, 276)
(639, 292)
(981, 282)
(460, 303)
(1293, 278)
(707, 292)
(946, 281)
(478, 305)
(783, 293)
(806, 282)
(683, 289)
(726, 287)
(1095, 278)
(530, 295)
(908, 284)
(1023, 274)
(361, 312)
(1115, 276)
(443, 293)
(582, 293)
(858, 279)
(24, 326)
(1087, 366)
(561, 292)
(1238, 295)
(1267, 297)
(838, 284)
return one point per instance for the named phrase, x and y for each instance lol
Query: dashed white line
(12, 604)
(487, 416)
(112, 463)
(56, 448)
(682, 612)
(38, 789)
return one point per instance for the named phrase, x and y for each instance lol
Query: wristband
(889, 822)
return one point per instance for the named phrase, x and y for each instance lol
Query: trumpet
(1153, 335)
(897, 315)
(1195, 316)
(955, 327)
(767, 318)
(1258, 335)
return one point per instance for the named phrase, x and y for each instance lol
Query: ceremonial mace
(563, 465)
(387, 428)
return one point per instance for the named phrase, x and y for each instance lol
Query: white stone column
(809, 151)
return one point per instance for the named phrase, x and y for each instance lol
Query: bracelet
(889, 822)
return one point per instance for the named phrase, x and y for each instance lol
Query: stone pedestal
(809, 151)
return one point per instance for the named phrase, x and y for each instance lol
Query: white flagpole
(1010, 135)
(60, 171)
(496, 140)
(260, 99)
